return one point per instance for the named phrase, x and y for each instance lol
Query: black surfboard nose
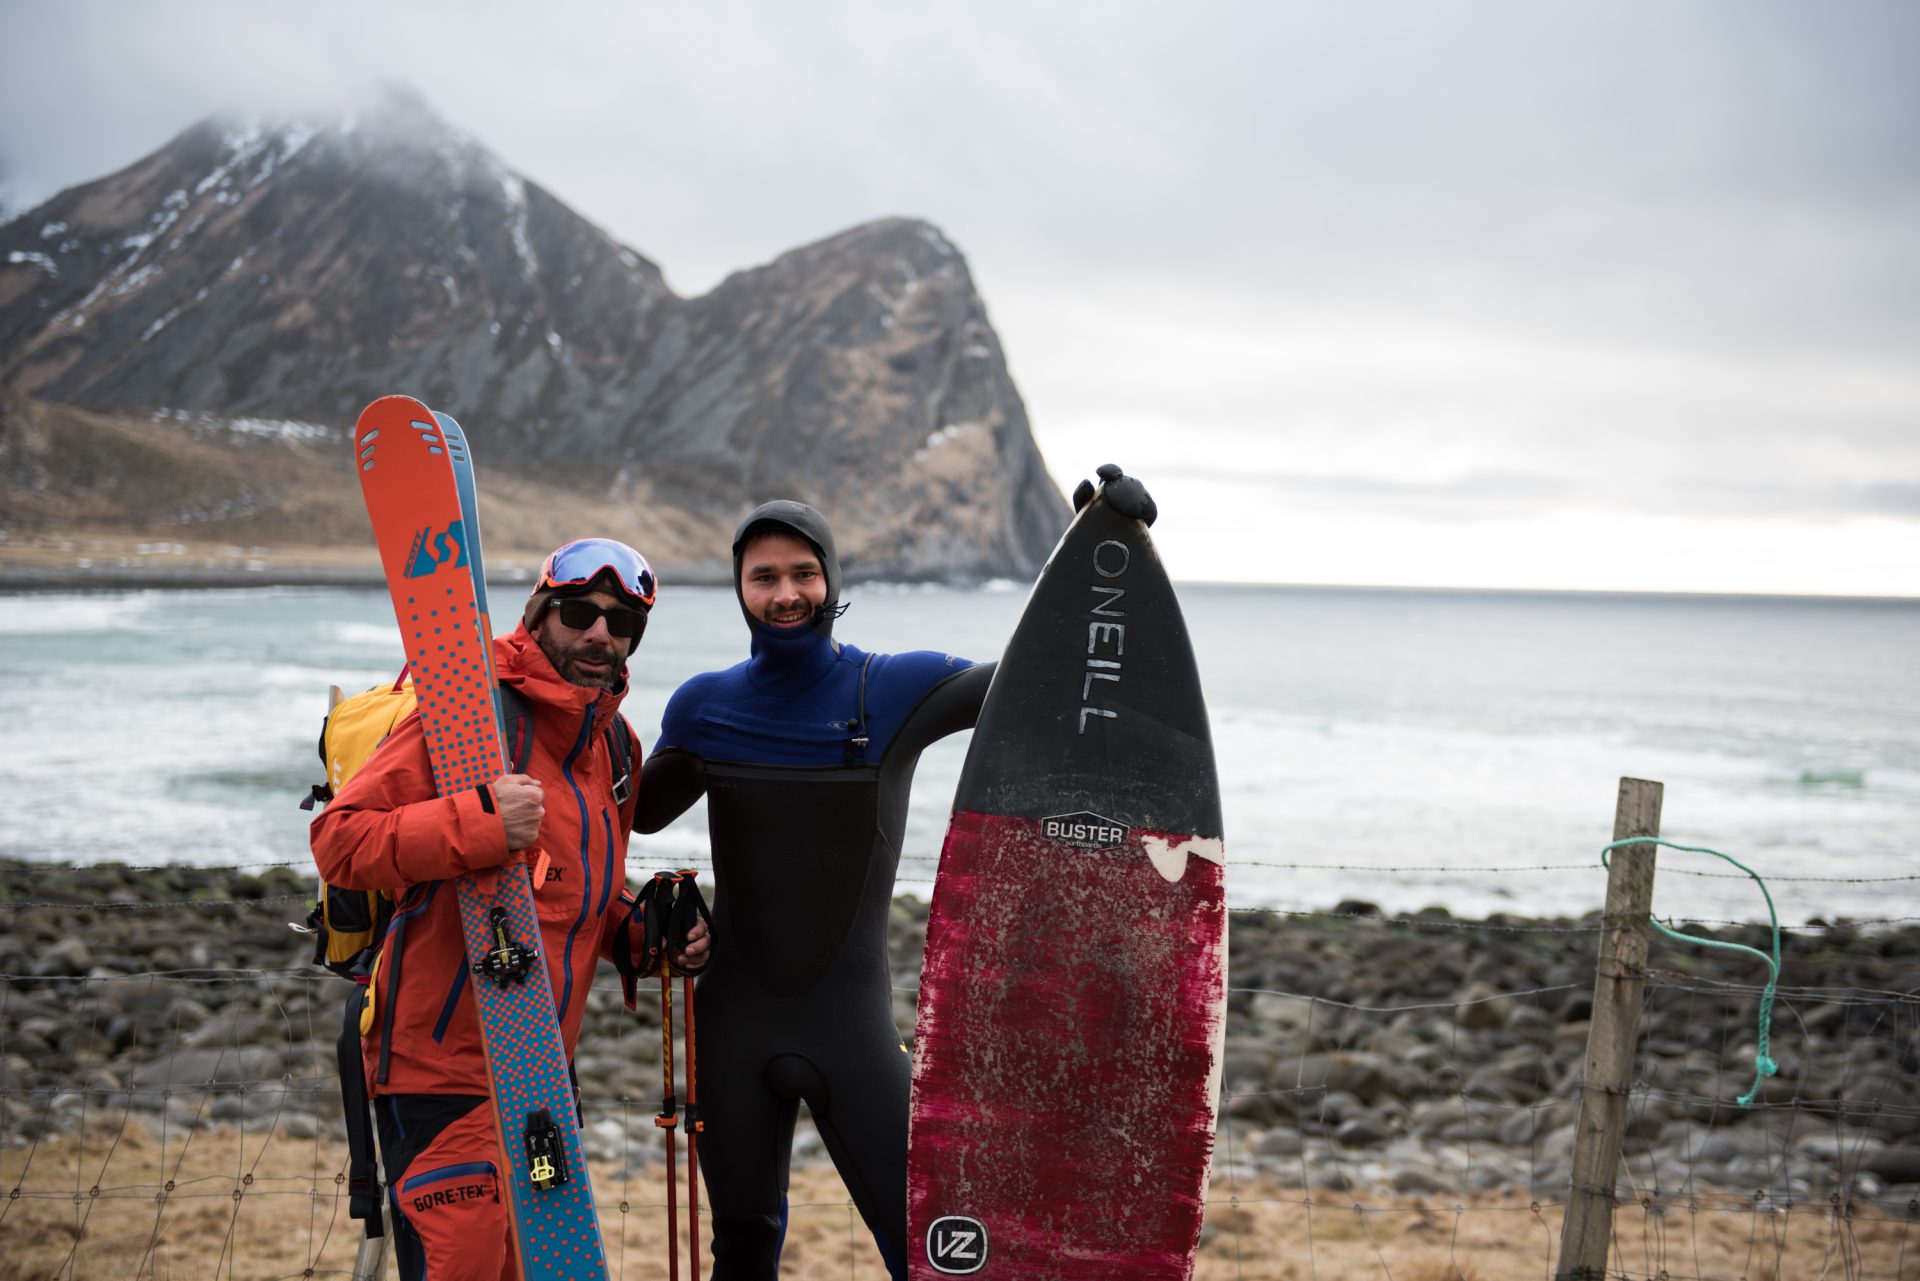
(1097, 705)
(1124, 493)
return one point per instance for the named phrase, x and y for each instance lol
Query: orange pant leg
(451, 1197)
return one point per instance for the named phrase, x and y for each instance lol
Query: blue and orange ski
(418, 485)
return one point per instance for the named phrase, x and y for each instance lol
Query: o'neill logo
(957, 1245)
(1085, 830)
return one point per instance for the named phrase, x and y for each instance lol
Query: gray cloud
(1597, 248)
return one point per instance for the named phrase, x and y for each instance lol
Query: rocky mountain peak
(296, 268)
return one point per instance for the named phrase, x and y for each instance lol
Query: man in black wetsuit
(805, 752)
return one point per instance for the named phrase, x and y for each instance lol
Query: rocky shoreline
(1421, 1056)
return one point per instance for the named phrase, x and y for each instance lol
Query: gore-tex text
(452, 1196)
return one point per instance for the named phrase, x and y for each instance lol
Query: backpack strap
(620, 744)
(363, 1176)
(517, 710)
(321, 793)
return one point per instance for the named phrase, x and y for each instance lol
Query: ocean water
(1408, 748)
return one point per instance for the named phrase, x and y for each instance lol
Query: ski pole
(694, 1123)
(669, 1105)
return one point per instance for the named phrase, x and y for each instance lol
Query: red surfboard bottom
(1064, 1063)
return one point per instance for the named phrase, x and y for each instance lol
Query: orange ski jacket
(388, 830)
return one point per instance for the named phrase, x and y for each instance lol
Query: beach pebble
(1899, 1164)
(188, 1069)
(1262, 1109)
(1362, 1131)
(68, 956)
(235, 1025)
(1363, 1075)
(300, 1125)
(1483, 1007)
(606, 1140)
(1280, 1143)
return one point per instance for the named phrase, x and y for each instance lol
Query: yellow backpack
(347, 924)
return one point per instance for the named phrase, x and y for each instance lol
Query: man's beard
(563, 663)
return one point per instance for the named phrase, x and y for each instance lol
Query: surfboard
(1073, 996)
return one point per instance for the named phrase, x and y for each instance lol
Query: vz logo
(957, 1245)
(431, 550)
(1084, 830)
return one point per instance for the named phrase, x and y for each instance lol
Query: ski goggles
(585, 559)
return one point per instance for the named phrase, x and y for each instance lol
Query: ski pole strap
(675, 904)
(658, 894)
(629, 955)
(662, 916)
(648, 937)
(689, 907)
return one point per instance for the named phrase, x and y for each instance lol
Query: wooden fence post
(1619, 979)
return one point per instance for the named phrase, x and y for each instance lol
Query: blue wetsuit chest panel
(798, 701)
(806, 818)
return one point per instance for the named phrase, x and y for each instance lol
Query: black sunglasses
(581, 615)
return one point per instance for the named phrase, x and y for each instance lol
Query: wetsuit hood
(784, 515)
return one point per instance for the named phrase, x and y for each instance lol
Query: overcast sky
(1536, 294)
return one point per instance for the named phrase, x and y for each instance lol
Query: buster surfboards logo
(1084, 830)
(957, 1245)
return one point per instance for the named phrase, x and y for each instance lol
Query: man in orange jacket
(387, 830)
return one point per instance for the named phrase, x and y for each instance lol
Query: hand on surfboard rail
(1124, 493)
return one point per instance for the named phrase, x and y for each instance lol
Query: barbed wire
(1667, 869)
(1433, 922)
(126, 905)
(1671, 868)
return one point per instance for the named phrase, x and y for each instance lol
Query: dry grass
(1266, 1233)
(249, 1205)
(243, 1204)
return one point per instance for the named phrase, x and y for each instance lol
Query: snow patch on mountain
(515, 192)
(29, 258)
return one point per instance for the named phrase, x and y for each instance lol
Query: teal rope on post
(1763, 1064)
